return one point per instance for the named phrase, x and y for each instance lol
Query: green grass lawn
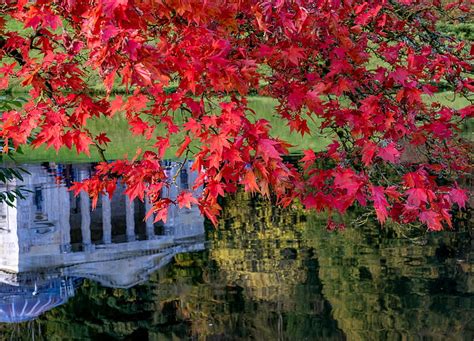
(124, 144)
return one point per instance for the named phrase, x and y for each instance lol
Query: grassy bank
(124, 144)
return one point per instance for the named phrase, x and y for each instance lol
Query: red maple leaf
(389, 153)
(416, 196)
(116, 105)
(380, 203)
(184, 145)
(188, 68)
(186, 199)
(432, 220)
(110, 5)
(459, 196)
(368, 151)
(267, 149)
(82, 142)
(250, 181)
(102, 139)
(293, 55)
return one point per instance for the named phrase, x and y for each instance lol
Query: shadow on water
(264, 274)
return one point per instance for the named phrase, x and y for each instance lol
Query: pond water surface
(70, 273)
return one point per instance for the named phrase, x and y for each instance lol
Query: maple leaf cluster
(367, 70)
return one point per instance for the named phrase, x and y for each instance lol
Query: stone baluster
(106, 219)
(85, 220)
(85, 206)
(150, 226)
(130, 219)
(172, 194)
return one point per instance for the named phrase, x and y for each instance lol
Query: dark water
(263, 274)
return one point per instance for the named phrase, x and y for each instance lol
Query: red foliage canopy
(365, 69)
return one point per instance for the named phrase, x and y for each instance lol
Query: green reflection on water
(385, 287)
(272, 274)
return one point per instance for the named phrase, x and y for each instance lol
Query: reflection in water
(384, 287)
(266, 274)
(51, 239)
(28, 299)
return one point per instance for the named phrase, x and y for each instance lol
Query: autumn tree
(367, 71)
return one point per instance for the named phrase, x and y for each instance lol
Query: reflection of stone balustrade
(19, 304)
(116, 247)
(50, 280)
